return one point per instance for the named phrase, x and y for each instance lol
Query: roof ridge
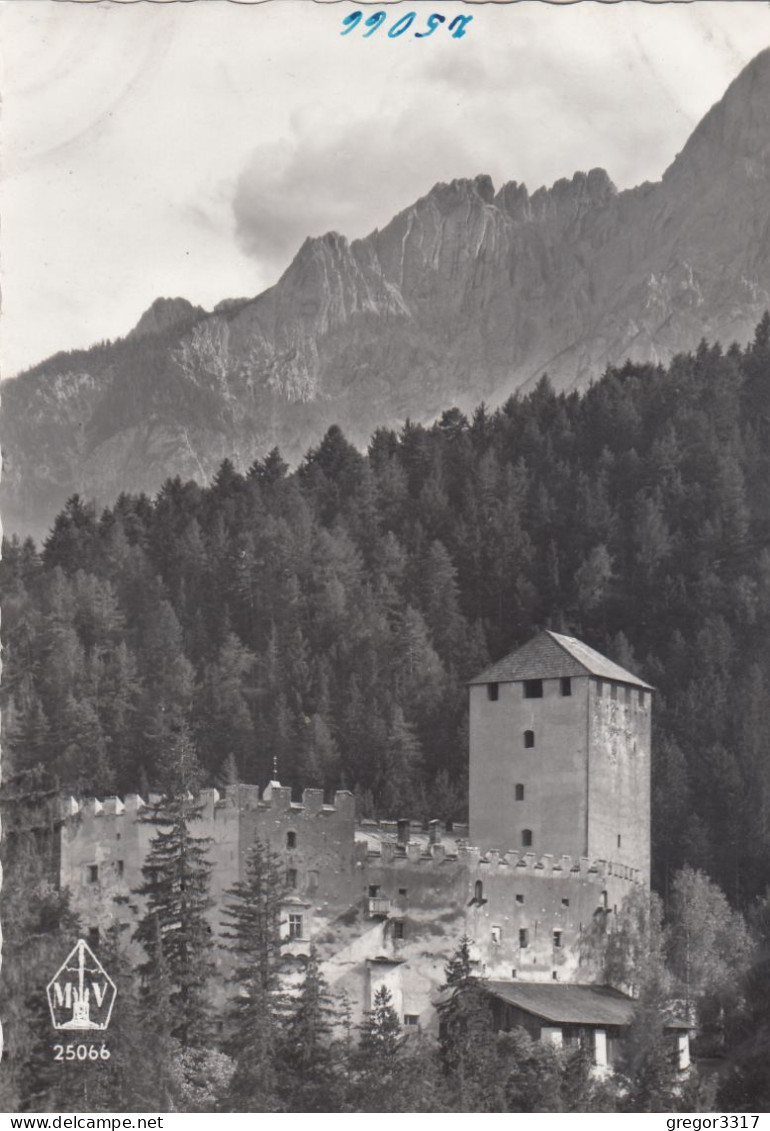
(559, 637)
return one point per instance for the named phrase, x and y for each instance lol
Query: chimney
(434, 832)
(404, 828)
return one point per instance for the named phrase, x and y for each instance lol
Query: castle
(559, 833)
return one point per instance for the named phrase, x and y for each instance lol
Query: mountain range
(469, 294)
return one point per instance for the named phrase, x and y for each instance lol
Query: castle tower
(560, 755)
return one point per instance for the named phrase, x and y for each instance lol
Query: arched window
(291, 840)
(519, 792)
(526, 838)
(529, 739)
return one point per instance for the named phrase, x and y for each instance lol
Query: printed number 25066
(433, 22)
(81, 1052)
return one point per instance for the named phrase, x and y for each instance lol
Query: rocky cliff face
(469, 294)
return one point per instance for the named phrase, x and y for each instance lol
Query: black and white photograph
(385, 575)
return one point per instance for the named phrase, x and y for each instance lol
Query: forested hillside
(328, 618)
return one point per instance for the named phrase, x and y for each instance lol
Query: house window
(565, 684)
(599, 688)
(533, 689)
(291, 840)
(555, 975)
(627, 694)
(529, 739)
(120, 867)
(402, 891)
(618, 840)
(557, 939)
(526, 838)
(478, 892)
(641, 696)
(312, 880)
(411, 1019)
(613, 691)
(291, 877)
(497, 935)
(493, 692)
(519, 898)
(117, 836)
(523, 937)
(295, 925)
(398, 928)
(374, 891)
(513, 972)
(565, 902)
(92, 873)
(93, 936)
(519, 792)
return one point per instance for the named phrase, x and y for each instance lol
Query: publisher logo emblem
(81, 994)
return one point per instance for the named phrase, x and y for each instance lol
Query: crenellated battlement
(274, 797)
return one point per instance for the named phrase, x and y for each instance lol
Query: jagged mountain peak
(734, 132)
(467, 294)
(164, 314)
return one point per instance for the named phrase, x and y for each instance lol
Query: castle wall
(552, 772)
(380, 912)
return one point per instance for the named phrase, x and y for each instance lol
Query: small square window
(402, 891)
(557, 939)
(411, 1020)
(120, 867)
(533, 689)
(523, 937)
(493, 692)
(92, 873)
(519, 899)
(519, 792)
(529, 739)
(565, 902)
(497, 935)
(374, 891)
(291, 840)
(295, 926)
(291, 877)
(565, 684)
(398, 928)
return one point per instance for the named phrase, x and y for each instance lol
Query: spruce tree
(174, 930)
(309, 1079)
(254, 942)
(467, 1045)
(377, 1058)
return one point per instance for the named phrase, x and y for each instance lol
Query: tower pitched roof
(550, 655)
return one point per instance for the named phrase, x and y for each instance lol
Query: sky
(187, 149)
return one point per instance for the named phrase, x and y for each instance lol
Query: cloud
(349, 179)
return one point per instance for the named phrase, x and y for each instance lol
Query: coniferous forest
(328, 617)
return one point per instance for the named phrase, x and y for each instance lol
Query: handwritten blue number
(460, 22)
(352, 20)
(374, 22)
(435, 20)
(400, 26)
